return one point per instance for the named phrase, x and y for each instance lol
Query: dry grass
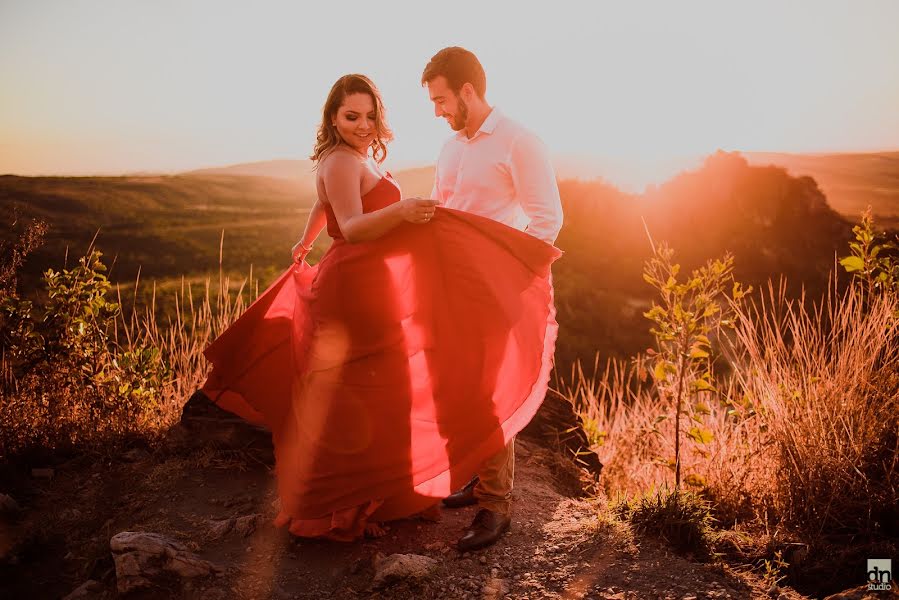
(824, 381)
(805, 428)
(196, 322)
(53, 406)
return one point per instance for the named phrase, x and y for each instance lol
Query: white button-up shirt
(504, 173)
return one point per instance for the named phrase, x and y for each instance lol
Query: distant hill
(163, 224)
(298, 171)
(851, 181)
(414, 181)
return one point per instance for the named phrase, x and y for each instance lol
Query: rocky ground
(194, 521)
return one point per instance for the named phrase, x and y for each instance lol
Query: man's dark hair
(459, 66)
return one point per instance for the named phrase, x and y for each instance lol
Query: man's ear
(467, 92)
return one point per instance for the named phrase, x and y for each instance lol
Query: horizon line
(413, 164)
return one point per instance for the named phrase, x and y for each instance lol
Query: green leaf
(701, 385)
(852, 263)
(660, 371)
(702, 408)
(700, 435)
(697, 352)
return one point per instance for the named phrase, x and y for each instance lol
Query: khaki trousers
(494, 490)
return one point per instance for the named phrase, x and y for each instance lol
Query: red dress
(390, 370)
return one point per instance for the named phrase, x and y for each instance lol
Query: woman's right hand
(417, 210)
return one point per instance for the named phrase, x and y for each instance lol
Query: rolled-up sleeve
(536, 187)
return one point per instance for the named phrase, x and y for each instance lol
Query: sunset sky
(639, 88)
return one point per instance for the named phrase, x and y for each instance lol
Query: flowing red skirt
(389, 371)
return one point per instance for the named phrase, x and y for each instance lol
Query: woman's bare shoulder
(339, 163)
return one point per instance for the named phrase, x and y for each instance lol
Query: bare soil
(561, 546)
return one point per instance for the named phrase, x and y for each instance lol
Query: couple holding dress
(399, 368)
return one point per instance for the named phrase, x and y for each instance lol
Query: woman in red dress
(414, 350)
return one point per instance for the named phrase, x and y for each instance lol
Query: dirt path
(560, 547)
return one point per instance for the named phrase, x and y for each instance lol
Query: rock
(494, 589)
(8, 504)
(140, 557)
(204, 421)
(219, 529)
(438, 546)
(88, 589)
(398, 567)
(859, 593)
(247, 525)
(556, 425)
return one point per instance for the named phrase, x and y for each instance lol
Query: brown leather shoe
(464, 497)
(487, 527)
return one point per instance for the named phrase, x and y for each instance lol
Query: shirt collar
(488, 126)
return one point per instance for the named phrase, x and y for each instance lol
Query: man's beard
(461, 118)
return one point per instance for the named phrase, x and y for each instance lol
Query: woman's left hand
(299, 252)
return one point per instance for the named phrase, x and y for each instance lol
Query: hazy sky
(125, 85)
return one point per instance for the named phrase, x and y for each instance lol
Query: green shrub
(66, 382)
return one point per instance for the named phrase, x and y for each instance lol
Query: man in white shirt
(495, 168)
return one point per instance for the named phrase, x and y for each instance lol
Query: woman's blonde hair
(328, 138)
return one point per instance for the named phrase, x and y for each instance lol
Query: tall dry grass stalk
(825, 380)
(196, 321)
(804, 429)
(632, 430)
(618, 410)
